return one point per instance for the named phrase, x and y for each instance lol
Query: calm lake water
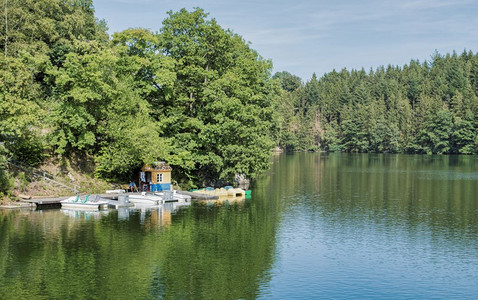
(318, 226)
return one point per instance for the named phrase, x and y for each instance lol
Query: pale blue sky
(304, 37)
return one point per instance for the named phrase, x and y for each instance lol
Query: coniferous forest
(199, 97)
(428, 108)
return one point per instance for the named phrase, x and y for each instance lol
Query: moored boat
(88, 202)
(145, 199)
(227, 191)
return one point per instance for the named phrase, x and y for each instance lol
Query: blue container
(159, 187)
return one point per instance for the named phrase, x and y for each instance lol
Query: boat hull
(85, 206)
(146, 199)
(76, 202)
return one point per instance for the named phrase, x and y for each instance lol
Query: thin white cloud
(430, 4)
(316, 36)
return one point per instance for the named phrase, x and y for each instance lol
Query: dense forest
(429, 107)
(197, 96)
(193, 94)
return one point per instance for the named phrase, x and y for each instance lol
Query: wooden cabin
(155, 177)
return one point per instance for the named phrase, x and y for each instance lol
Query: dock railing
(40, 174)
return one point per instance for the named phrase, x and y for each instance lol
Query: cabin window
(159, 177)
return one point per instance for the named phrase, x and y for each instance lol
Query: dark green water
(318, 226)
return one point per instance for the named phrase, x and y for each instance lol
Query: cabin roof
(158, 166)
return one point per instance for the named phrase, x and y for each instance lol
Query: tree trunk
(6, 27)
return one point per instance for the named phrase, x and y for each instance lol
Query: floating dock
(15, 205)
(51, 202)
(198, 196)
(42, 203)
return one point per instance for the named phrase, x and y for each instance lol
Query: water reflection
(198, 251)
(84, 214)
(375, 226)
(433, 189)
(318, 226)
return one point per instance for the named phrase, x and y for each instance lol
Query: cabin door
(145, 184)
(148, 176)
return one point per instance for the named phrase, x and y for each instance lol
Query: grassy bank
(70, 173)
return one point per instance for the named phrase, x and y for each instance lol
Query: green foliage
(435, 137)
(23, 181)
(289, 141)
(197, 96)
(288, 81)
(331, 138)
(221, 112)
(83, 88)
(20, 107)
(40, 37)
(129, 137)
(6, 181)
(353, 138)
(463, 136)
(194, 95)
(30, 150)
(419, 108)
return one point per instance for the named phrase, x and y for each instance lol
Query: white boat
(88, 202)
(145, 199)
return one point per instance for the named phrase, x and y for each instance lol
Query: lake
(318, 226)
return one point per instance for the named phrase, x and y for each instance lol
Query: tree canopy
(428, 107)
(193, 94)
(197, 96)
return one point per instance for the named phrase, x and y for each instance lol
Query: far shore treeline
(197, 96)
(425, 108)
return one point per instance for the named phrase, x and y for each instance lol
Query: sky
(306, 37)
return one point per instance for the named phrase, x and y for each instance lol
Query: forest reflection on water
(318, 226)
(198, 252)
(376, 226)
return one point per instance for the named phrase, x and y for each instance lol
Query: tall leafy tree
(36, 39)
(288, 81)
(221, 111)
